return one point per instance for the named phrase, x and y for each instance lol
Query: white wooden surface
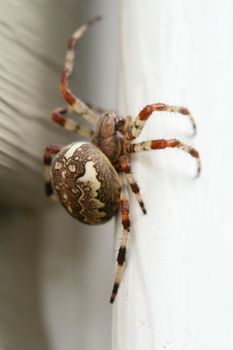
(56, 274)
(178, 287)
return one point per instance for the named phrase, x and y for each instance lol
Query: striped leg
(68, 123)
(75, 103)
(124, 208)
(125, 165)
(48, 153)
(96, 109)
(148, 110)
(161, 144)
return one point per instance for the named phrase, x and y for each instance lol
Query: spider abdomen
(86, 183)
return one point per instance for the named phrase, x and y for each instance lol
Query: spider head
(107, 136)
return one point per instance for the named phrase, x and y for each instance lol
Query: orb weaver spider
(91, 179)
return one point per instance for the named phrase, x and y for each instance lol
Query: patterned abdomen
(86, 183)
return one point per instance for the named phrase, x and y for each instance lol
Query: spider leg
(146, 112)
(125, 165)
(48, 154)
(96, 109)
(161, 144)
(68, 123)
(76, 104)
(124, 209)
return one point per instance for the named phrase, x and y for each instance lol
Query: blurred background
(55, 273)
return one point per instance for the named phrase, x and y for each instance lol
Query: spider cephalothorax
(108, 136)
(91, 179)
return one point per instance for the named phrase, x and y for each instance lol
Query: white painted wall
(178, 287)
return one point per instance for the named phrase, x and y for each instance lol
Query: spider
(91, 179)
